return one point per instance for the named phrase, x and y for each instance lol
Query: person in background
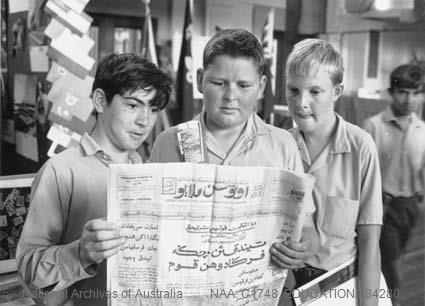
(65, 239)
(400, 139)
(232, 80)
(344, 160)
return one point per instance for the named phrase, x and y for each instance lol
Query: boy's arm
(42, 261)
(369, 264)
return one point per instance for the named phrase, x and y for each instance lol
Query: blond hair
(310, 54)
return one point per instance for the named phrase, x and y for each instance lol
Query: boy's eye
(154, 109)
(315, 92)
(245, 85)
(132, 105)
(218, 83)
(293, 91)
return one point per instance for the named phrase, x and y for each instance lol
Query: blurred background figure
(400, 139)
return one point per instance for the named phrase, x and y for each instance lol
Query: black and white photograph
(212, 152)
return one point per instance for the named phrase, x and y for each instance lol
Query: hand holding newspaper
(200, 234)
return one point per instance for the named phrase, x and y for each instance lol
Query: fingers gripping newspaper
(200, 234)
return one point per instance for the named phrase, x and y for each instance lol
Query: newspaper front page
(200, 234)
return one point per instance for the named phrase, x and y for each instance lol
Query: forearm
(56, 266)
(369, 270)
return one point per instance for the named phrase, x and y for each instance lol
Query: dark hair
(234, 43)
(119, 73)
(407, 76)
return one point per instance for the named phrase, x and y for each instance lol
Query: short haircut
(407, 76)
(234, 43)
(120, 73)
(310, 54)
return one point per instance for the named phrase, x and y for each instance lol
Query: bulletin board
(15, 192)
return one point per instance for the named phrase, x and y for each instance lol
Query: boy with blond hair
(344, 160)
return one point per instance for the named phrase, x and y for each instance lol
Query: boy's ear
(338, 89)
(99, 100)
(263, 82)
(199, 78)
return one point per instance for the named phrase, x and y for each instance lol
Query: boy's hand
(291, 255)
(100, 239)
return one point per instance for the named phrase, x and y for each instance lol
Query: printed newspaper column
(200, 234)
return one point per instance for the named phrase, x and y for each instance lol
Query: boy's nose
(143, 117)
(303, 101)
(230, 92)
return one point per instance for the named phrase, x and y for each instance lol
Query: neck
(323, 134)
(99, 135)
(227, 136)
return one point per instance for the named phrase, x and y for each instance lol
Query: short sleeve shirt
(401, 152)
(259, 144)
(347, 191)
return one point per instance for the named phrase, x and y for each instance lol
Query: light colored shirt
(259, 144)
(68, 191)
(347, 191)
(401, 152)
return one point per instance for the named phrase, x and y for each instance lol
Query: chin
(304, 125)
(131, 146)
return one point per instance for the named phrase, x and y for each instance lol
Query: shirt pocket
(340, 217)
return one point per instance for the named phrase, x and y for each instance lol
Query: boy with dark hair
(400, 138)
(65, 239)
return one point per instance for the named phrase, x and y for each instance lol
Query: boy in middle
(231, 81)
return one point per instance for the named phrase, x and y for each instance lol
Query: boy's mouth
(304, 116)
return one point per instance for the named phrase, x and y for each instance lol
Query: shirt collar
(253, 128)
(340, 140)
(388, 114)
(91, 147)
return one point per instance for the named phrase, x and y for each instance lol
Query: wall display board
(15, 194)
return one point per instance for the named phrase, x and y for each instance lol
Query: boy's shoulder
(358, 138)
(66, 157)
(277, 135)
(376, 118)
(282, 140)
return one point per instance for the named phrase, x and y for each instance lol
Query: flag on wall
(267, 41)
(184, 89)
(149, 52)
(148, 45)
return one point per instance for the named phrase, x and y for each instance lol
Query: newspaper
(200, 234)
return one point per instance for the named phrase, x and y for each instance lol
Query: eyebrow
(136, 99)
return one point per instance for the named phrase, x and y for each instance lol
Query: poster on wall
(25, 93)
(15, 193)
